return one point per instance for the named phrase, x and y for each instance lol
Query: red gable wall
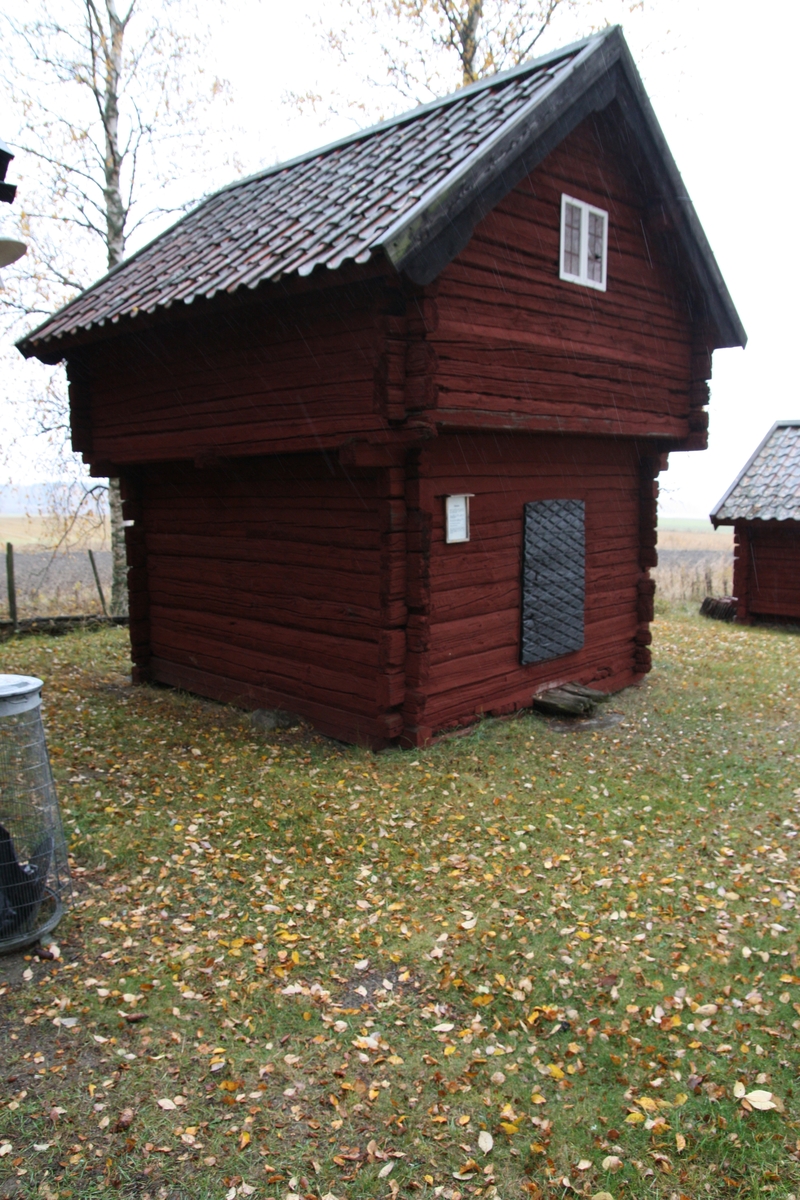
(520, 347)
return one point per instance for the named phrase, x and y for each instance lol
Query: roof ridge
(517, 119)
(412, 114)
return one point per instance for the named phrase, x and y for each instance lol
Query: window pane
(572, 240)
(594, 265)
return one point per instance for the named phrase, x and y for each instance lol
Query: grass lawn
(529, 961)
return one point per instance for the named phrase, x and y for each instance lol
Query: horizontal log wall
(269, 584)
(465, 599)
(766, 575)
(269, 378)
(518, 347)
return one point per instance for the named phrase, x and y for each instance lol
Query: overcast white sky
(722, 77)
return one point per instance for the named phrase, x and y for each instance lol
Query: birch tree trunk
(467, 35)
(119, 562)
(110, 42)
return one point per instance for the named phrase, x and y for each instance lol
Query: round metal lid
(18, 693)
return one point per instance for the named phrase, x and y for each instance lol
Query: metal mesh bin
(35, 883)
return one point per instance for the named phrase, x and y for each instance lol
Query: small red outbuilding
(763, 506)
(389, 417)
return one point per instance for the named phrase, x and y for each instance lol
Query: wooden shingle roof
(768, 486)
(410, 189)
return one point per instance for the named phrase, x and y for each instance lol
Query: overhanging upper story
(520, 255)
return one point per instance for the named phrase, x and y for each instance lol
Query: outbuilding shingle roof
(768, 487)
(411, 188)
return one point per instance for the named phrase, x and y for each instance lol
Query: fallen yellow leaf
(764, 1101)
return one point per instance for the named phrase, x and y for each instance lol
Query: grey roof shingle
(768, 487)
(411, 188)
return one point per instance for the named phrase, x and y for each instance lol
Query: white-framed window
(584, 243)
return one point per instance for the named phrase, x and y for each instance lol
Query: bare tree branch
(430, 47)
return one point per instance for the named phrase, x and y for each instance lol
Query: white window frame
(583, 279)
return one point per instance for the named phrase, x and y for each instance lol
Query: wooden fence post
(97, 581)
(12, 589)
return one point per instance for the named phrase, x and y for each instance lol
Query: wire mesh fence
(48, 583)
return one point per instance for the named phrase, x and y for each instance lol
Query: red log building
(763, 506)
(389, 418)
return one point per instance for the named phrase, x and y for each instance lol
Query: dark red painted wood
(467, 595)
(515, 340)
(285, 462)
(268, 378)
(268, 572)
(766, 569)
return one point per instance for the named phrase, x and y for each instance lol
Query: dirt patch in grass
(605, 719)
(591, 944)
(368, 989)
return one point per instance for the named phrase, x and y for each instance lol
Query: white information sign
(457, 518)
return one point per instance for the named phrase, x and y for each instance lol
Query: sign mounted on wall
(456, 509)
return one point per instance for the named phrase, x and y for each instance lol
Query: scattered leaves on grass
(342, 968)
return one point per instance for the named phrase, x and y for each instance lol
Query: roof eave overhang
(56, 349)
(439, 227)
(755, 519)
